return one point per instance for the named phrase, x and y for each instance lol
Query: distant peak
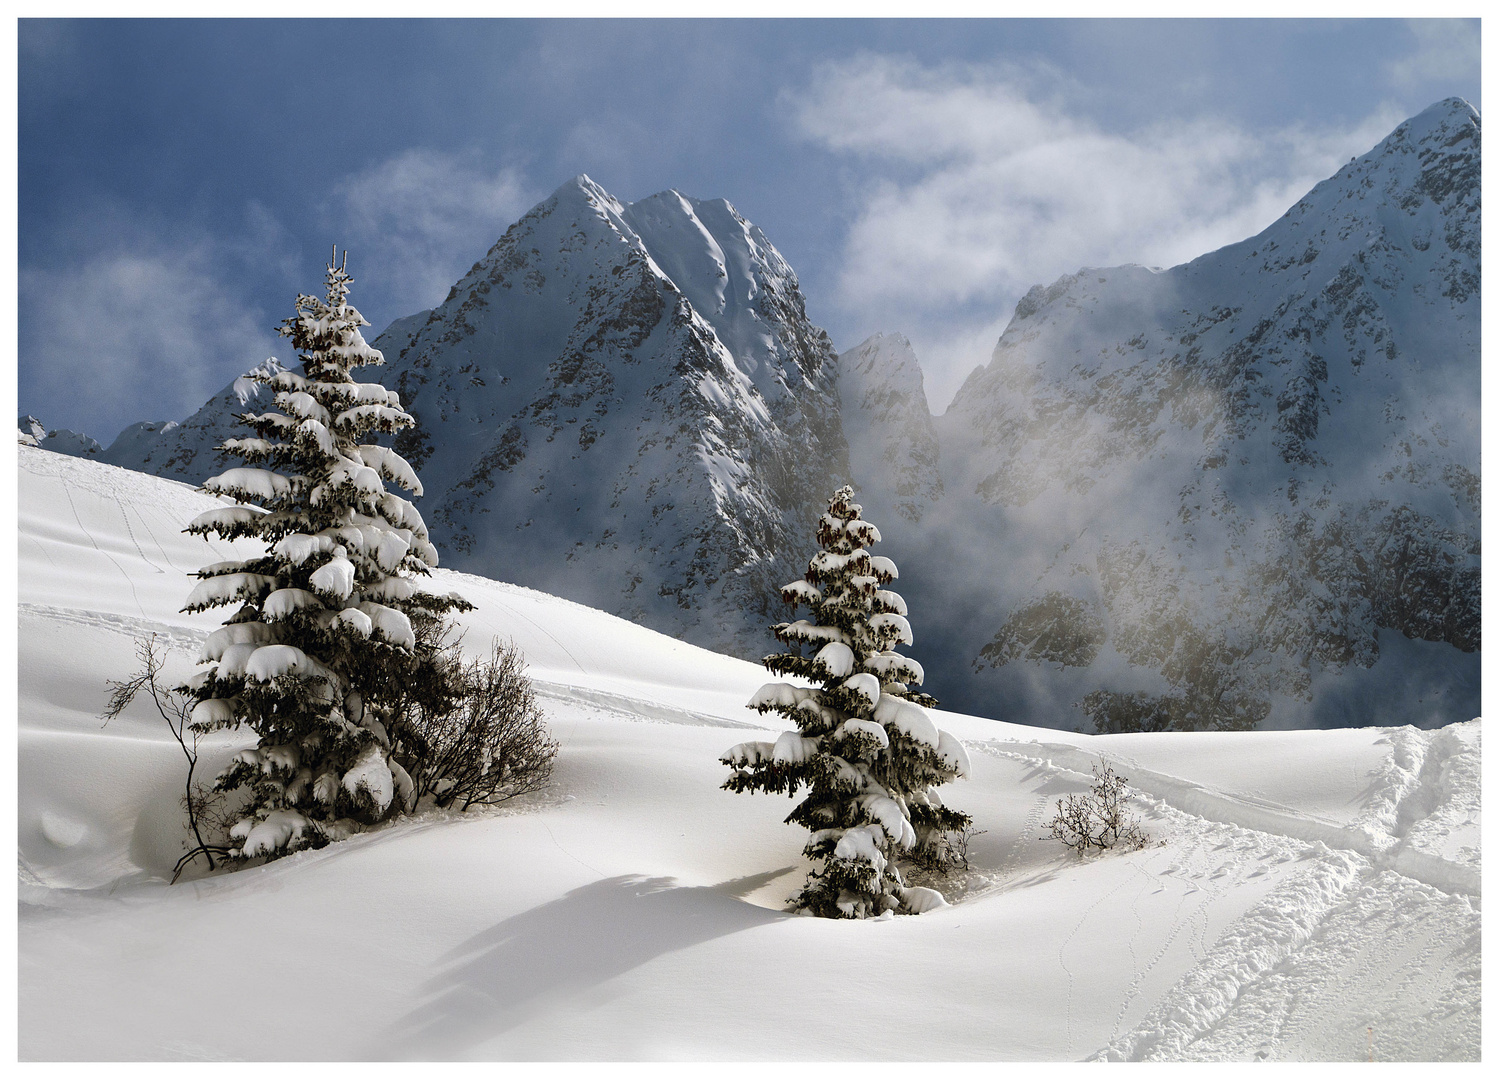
(1452, 106)
(1447, 121)
(880, 338)
(589, 190)
(247, 386)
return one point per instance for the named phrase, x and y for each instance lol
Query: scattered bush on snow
(482, 739)
(1098, 819)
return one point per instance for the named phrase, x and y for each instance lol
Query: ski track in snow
(84, 529)
(1358, 905)
(514, 614)
(633, 708)
(176, 636)
(130, 531)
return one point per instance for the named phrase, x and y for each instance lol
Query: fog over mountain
(1243, 491)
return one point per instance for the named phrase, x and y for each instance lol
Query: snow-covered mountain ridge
(1242, 490)
(1233, 484)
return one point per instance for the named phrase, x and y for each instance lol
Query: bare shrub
(1098, 819)
(945, 852)
(202, 805)
(486, 740)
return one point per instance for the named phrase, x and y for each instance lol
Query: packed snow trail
(1302, 888)
(1371, 835)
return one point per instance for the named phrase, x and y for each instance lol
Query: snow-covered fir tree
(864, 747)
(321, 640)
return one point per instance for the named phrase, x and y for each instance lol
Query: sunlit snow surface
(1308, 895)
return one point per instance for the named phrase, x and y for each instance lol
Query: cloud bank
(421, 218)
(979, 182)
(154, 318)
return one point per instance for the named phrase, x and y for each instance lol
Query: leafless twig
(176, 710)
(1098, 819)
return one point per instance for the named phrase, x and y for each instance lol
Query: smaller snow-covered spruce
(864, 747)
(326, 625)
(1098, 819)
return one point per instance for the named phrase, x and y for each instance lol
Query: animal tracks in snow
(1341, 906)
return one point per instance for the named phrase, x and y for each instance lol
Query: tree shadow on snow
(513, 971)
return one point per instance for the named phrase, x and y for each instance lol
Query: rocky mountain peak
(625, 404)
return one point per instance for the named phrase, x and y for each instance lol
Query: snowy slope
(1304, 887)
(1243, 490)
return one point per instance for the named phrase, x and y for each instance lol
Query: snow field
(1302, 887)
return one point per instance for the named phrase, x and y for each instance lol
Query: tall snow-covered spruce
(321, 641)
(864, 747)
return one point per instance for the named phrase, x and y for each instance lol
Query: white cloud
(100, 337)
(949, 350)
(1446, 49)
(982, 187)
(420, 219)
(150, 325)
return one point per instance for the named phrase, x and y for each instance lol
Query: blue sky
(181, 181)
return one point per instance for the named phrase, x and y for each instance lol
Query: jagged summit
(626, 404)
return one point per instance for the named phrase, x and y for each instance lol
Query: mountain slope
(1301, 887)
(1241, 491)
(892, 449)
(1243, 481)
